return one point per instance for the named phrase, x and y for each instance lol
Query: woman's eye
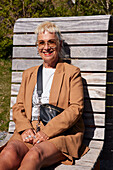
(52, 42)
(41, 43)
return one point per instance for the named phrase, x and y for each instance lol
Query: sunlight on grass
(5, 93)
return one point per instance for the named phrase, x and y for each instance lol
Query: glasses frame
(47, 42)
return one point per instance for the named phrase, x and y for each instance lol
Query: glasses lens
(50, 43)
(41, 44)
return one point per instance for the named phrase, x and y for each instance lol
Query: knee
(10, 151)
(36, 154)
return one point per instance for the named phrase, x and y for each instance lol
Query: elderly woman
(60, 140)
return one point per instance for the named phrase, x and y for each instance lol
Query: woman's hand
(28, 135)
(40, 137)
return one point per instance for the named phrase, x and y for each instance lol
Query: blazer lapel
(56, 84)
(30, 88)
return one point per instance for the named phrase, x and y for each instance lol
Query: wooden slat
(24, 64)
(75, 18)
(94, 105)
(84, 65)
(25, 52)
(90, 133)
(93, 92)
(94, 78)
(13, 101)
(88, 25)
(94, 119)
(73, 167)
(86, 38)
(90, 65)
(73, 38)
(90, 105)
(89, 52)
(15, 89)
(91, 78)
(11, 127)
(89, 119)
(94, 133)
(81, 23)
(90, 157)
(16, 77)
(73, 51)
(93, 143)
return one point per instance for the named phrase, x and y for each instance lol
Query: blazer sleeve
(19, 114)
(72, 113)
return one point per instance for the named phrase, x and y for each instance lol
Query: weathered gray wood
(90, 133)
(72, 18)
(15, 89)
(95, 144)
(73, 167)
(94, 133)
(87, 38)
(94, 78)
(94, 119)
(90, 65)
(93, 91)
(3, 142)
(84, 65)
(24, 52)
(24, 64)
(89, 119)
(91, 157)
(13, 101)
(89, 52)
(81, 23)
(16, 77)
(74, 38)
(88, 25)
(92, 106)
(91, 78)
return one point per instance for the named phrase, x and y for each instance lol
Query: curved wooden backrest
(86, 45)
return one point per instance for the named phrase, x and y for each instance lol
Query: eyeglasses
(51, 44)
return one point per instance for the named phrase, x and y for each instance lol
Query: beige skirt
(70, 144)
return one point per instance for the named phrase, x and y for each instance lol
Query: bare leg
(41, 155)
(12, 155)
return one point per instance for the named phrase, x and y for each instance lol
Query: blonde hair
(50, 27)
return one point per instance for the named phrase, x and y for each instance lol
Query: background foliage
(11, 10)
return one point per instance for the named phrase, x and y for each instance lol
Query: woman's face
(48, 47)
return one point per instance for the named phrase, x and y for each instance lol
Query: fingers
(27, 135)
(40, 137)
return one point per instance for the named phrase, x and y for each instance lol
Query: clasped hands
(30, 136)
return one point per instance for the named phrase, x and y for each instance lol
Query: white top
(48, 74)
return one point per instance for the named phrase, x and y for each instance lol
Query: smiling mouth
(48, 53)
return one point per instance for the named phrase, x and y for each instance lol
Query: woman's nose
(46, 46)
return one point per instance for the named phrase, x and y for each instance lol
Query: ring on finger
(29, 136)
(38, 141)
(34, 137)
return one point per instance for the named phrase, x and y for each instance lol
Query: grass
(5, 93)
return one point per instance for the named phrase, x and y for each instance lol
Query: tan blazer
(65, 130)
